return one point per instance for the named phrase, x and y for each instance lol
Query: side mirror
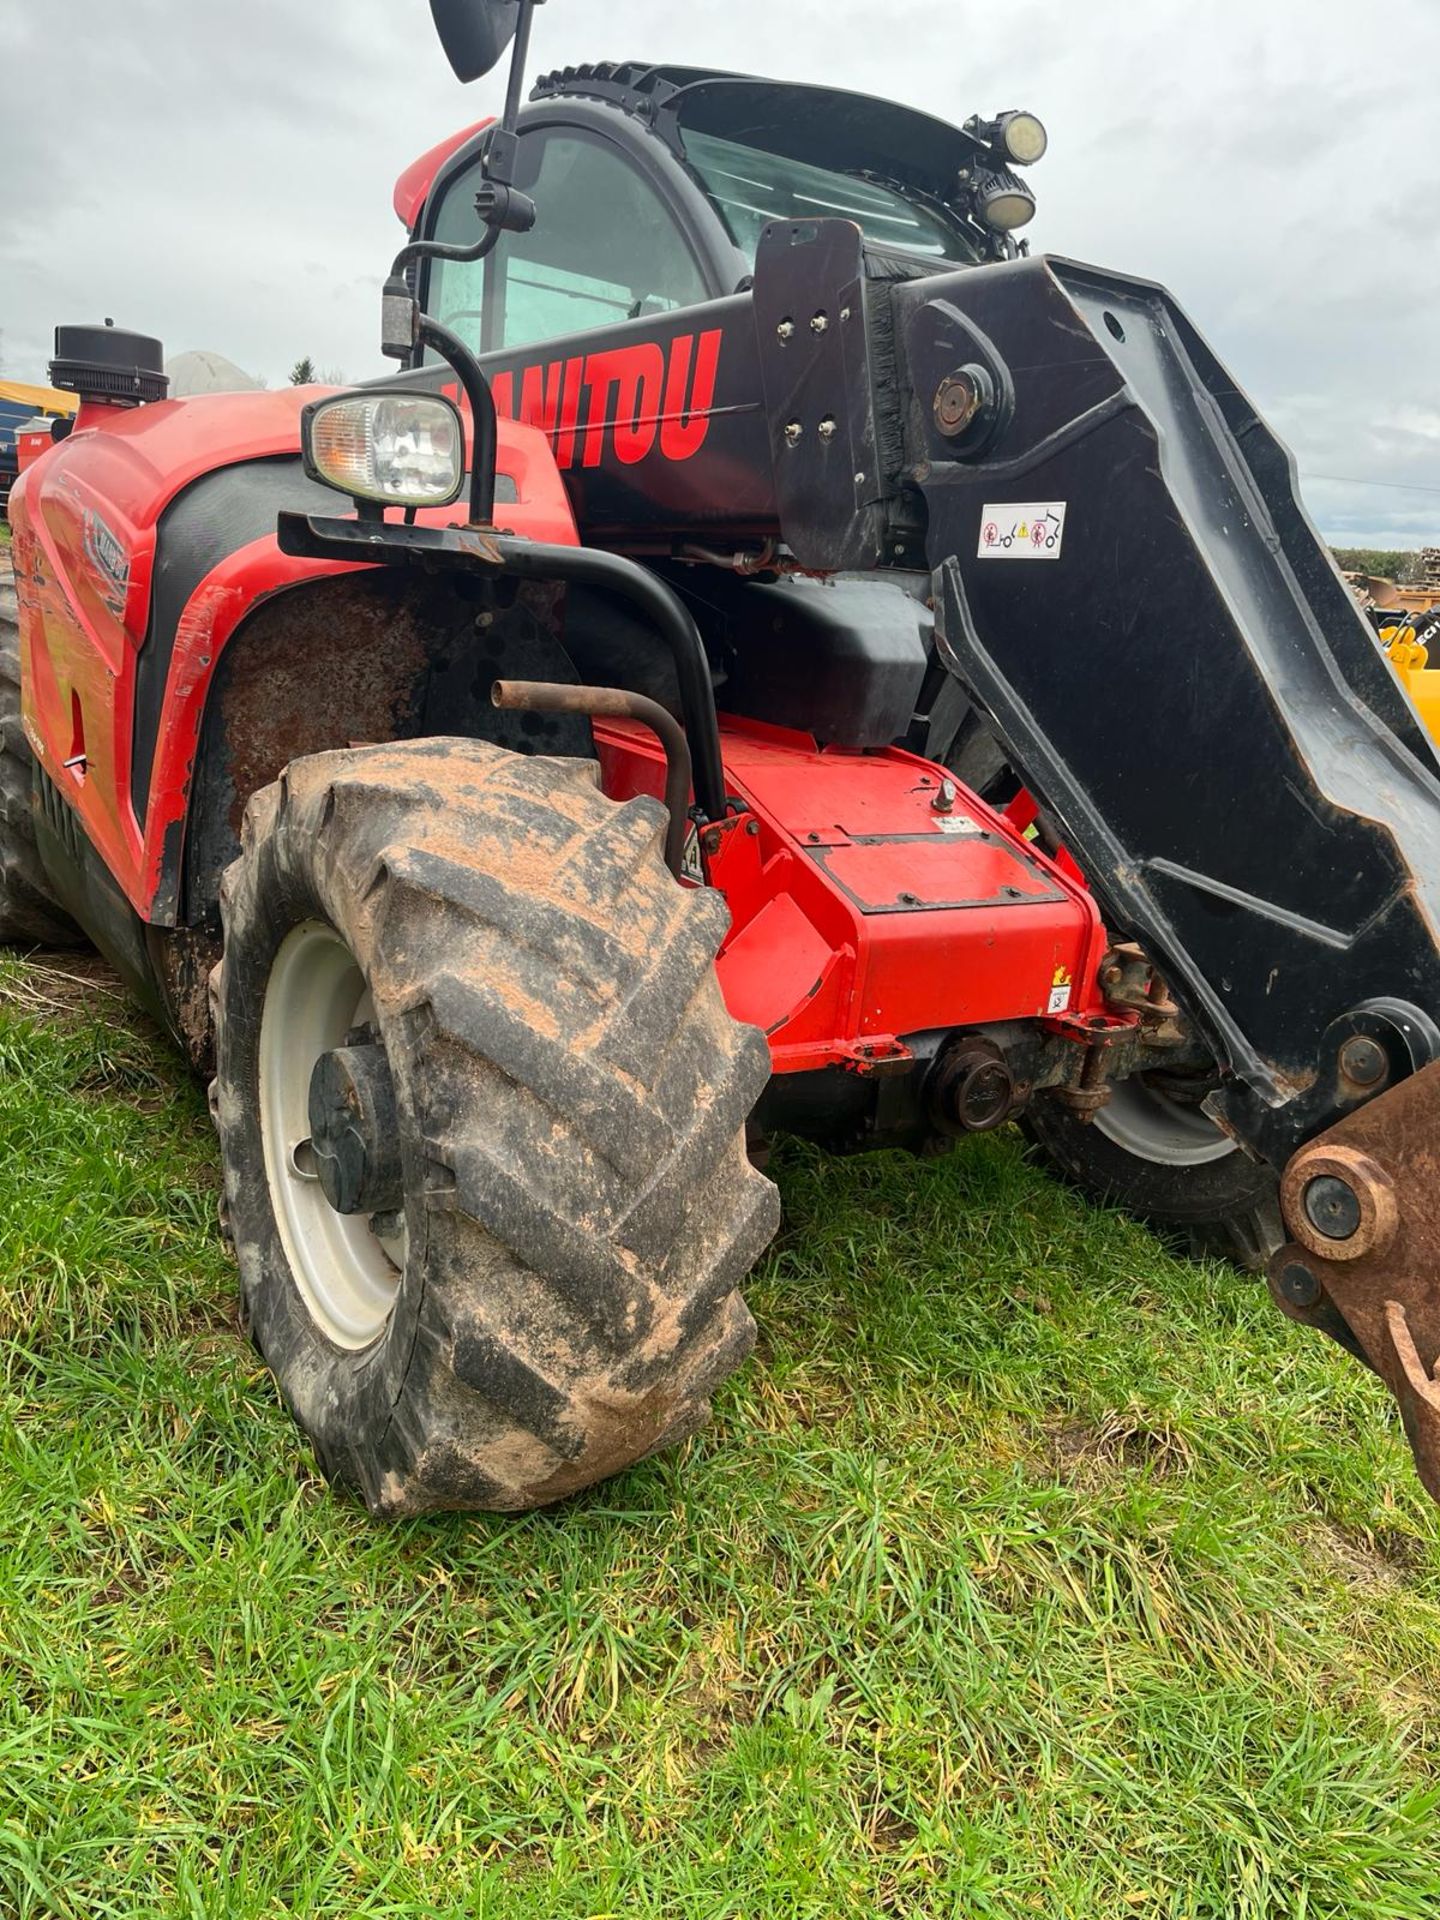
(474, 33)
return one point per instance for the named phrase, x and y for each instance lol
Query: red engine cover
(863, 913)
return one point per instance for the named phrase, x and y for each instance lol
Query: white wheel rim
(1153, 1127)
(347, 1274)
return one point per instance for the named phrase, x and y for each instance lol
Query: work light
(397, 449)
(1023, 137)
(1002, 200)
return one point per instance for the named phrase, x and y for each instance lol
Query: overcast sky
(221, 174)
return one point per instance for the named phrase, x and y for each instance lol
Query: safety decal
(691, 866)
(1060, 986)
(1031, 530)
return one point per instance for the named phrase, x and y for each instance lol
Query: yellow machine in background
(1407, 639)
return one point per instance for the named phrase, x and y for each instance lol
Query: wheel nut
(1332, 1208)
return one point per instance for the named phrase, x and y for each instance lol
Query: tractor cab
(654, 186)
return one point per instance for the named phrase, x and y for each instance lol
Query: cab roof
(824, 126)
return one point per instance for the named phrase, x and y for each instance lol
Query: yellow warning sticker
(1060, 988)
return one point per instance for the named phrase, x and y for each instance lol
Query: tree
(302, 374)
(1383, 563)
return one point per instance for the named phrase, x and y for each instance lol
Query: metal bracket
(1364, 1263)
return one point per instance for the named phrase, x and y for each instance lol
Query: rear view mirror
(474, 33)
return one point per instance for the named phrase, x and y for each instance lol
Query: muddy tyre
(536, 1281)
(1164, 1161)
(29, 916)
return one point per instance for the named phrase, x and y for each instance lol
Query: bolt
(752, 827)
(859, 479)
(820, 324)
(793, 431)
(1299, 1285)
(1363, 1060)
(909, 899)
(826, 429)
(785, 330)
(844, 313)
(1332, 1207)
(944, 801)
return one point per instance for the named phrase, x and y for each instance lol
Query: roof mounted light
(1001, 200)
(1021, 137)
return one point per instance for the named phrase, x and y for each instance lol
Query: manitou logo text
(627, 401)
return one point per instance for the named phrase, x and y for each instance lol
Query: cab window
(749, 189)
(605, 248)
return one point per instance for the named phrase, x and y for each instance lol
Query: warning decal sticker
(1031, 530)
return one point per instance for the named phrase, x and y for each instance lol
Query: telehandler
(707, 692)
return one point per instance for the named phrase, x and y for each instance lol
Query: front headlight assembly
(395, 449)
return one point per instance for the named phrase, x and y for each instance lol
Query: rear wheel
(481, 1111)
(29, 917)
(1152, 1150)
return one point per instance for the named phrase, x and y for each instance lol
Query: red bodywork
(85, 522)
(862, 912)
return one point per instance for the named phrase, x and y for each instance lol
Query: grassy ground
(1025, 1572)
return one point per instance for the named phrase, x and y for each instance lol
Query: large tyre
(546, 1289)
(1159, 1157)
(29, 916)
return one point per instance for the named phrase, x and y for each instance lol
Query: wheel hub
(355, 1130)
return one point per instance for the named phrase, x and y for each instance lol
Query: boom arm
(1179, 674)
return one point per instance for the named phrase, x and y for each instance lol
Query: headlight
(1003, 202)
(1023, 137)
(400, 449)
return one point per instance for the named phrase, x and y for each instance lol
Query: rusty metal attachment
(1090, 1089)
(1131, 985)
(1364, 1261)
(961, 398)
(615, 703)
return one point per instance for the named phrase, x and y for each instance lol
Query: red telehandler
(701, 695)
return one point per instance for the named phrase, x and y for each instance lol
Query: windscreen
(751, 188)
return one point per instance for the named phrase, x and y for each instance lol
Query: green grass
(1025, 1572)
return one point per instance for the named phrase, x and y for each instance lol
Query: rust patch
(329, 667)
(1377, 1288)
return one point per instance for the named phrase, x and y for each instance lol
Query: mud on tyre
(531, 1099)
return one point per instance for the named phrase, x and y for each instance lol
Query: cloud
(222, 175)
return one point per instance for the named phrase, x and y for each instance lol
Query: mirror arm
(503, 208)
(485, 447)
